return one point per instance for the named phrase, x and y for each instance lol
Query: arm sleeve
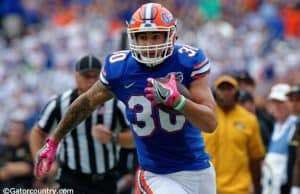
(113, 69)
(201, 69)
(104, 74)
(197, 65)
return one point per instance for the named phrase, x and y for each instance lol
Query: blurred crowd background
(40, 40)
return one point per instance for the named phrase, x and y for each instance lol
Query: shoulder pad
(193, 60)
(115, 63)
(190, 56)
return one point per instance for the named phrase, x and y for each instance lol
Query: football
(181, 89)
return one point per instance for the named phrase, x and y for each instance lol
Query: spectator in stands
(236, 146)
(291, 19)
(246, 81)
(247, 98)
(15, 163)
(274, 169)
(294, 145)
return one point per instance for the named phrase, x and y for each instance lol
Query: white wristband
(181, 103)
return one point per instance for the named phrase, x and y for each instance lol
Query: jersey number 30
(144, 123)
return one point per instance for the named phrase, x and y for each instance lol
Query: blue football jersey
(165, 142)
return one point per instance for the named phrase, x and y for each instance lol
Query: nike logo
(129, 85)
(161, 95)
(162, 92)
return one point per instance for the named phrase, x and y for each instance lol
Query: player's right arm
(84, 105)
(80, 109)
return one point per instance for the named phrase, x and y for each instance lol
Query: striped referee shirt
(78, 150)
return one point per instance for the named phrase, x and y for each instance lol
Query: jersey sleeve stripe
(201, 64)
(201, 74)
(103, 79)
(202, 70)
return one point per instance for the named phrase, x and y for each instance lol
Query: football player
(170, 147)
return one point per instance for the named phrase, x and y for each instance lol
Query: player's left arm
(200, 111)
